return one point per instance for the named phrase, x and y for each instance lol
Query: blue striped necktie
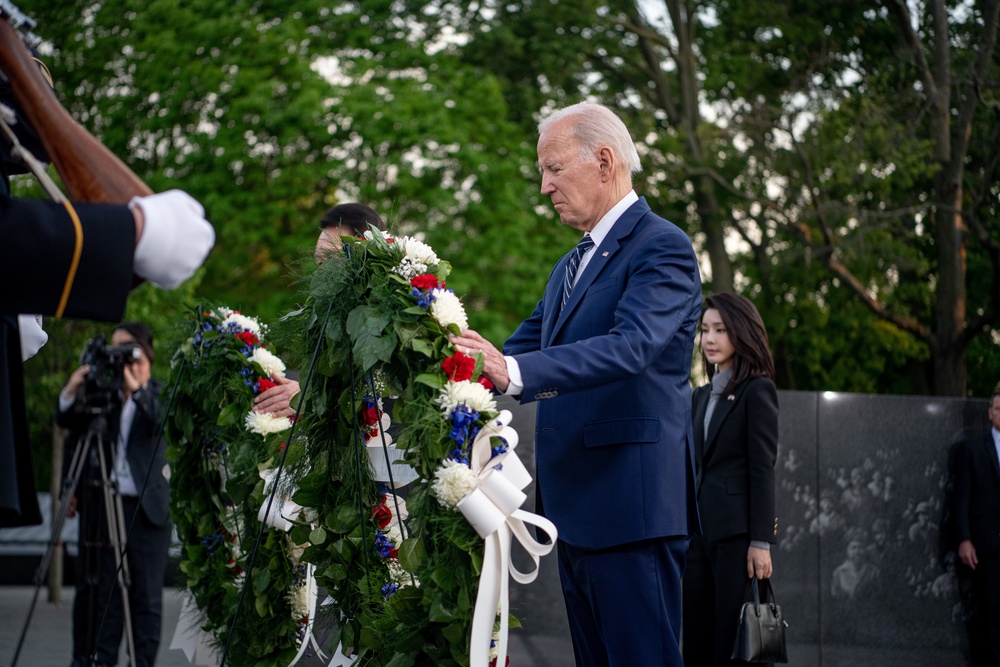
(585, 244)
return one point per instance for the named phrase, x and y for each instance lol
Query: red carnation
(459, 367)
(382, 515)
(248, 337)
(485, 381)
(393, 552)
(265, 384)
(493, 662)
(424, 281)
(370, 415)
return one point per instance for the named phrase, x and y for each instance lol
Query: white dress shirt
(996, 440)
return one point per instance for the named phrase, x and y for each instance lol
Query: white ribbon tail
(534, 548)
(492, 509)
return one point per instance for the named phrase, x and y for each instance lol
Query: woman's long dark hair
(745, 328)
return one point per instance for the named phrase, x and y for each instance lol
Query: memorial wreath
(415, 581)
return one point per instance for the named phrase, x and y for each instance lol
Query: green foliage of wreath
(216, 491)
(376, 323)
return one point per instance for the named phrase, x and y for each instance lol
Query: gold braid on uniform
(75, 262)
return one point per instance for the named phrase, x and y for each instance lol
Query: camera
(107, 371)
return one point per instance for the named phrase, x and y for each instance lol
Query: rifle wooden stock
(89, 171)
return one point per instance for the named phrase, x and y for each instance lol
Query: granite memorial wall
(865, 564)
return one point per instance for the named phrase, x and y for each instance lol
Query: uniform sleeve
(39, 239)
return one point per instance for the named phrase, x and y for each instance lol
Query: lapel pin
(731, 397)
(604, 254)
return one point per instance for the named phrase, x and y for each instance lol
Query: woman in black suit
(736, 440)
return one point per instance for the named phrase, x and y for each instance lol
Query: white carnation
(399, 576)
(468, 393)
(243, 322)
(298, 601)
(417, 258)
(452, 482)
(448, 309)
(418, 251)
(270, 364)
(266, 423)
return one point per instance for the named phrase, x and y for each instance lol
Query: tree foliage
(855, 137)
(836, 162)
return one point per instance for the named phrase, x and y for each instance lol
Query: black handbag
(760, 636)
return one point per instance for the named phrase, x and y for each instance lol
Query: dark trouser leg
(624, 602)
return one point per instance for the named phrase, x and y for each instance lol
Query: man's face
(995, 412)
(573, 184)
(141, 367)
(329, 243)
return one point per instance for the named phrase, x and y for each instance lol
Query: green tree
(848, 135)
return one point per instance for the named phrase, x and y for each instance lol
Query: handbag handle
(755, 592)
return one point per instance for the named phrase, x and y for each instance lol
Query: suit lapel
(698, 418)
(722, 409)
(603, 255)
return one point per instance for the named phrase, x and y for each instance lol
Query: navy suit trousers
(624, 602)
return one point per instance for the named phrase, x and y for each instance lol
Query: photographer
(115, 388)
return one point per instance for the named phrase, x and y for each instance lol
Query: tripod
(93, 448)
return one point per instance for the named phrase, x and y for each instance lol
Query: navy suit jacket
(613, 441)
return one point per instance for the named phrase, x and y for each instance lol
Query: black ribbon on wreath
(274, 491)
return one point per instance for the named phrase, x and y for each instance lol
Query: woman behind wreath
(736, 441)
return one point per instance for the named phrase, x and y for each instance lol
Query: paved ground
(48, 639)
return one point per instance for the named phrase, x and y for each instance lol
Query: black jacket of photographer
(142, 451)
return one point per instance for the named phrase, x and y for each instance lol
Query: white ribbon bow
(493, 510)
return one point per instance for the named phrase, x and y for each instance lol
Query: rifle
(89, 171)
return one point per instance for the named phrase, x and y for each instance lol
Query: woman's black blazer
(736, 461)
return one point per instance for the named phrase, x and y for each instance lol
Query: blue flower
(502, 448)
(383, 544)
(212, 542)
(463, 424)
(389, 590)
(424, 299)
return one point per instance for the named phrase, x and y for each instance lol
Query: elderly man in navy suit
(607, 353)
(977, 528)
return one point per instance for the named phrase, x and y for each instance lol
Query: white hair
(597, 126)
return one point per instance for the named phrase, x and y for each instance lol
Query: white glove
(33, 336)
(175, 240)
